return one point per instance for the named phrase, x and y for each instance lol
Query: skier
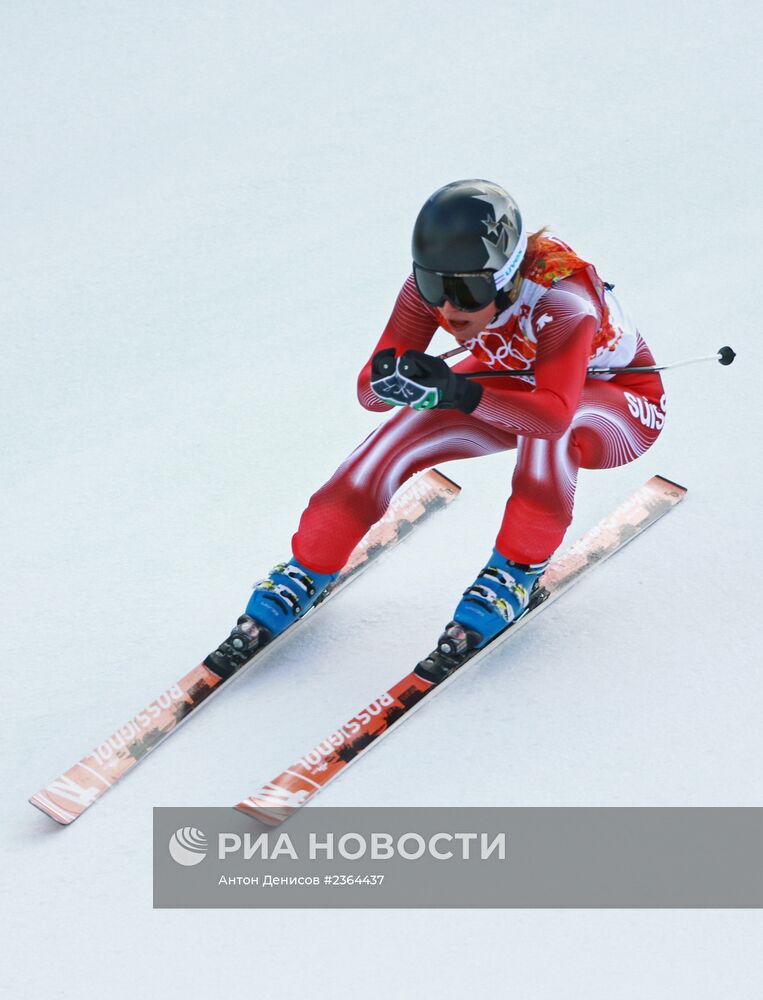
(513, 301)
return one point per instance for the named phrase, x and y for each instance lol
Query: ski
(68, 796)
(277, 800)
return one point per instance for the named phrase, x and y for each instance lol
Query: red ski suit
(562, 322)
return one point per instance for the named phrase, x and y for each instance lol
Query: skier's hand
(384, 381)
(430, 383)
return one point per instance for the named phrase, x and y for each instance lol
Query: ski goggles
(466, 292)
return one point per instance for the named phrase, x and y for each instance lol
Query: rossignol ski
(274, 802)
(69, 795)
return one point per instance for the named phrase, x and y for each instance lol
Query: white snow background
(206, 216)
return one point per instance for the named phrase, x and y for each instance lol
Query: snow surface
(206, 216)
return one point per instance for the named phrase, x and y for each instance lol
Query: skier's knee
(348, 508)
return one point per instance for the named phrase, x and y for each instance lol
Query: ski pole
(724, 356)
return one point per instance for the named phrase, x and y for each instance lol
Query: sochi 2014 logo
(188, 846)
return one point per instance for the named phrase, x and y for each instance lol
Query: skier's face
(464, 325)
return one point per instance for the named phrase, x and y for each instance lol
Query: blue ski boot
(497, 598)
(289, 591)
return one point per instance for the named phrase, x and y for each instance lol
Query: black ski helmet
(469, 226)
